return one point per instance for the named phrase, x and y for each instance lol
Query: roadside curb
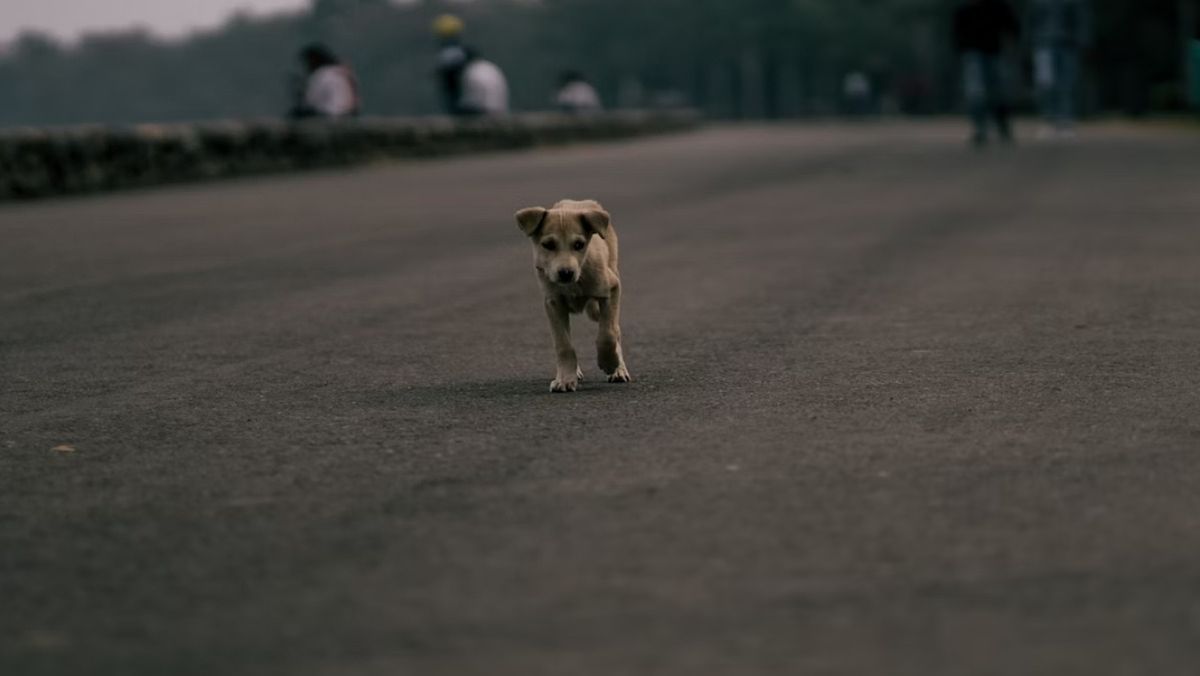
(38, 163)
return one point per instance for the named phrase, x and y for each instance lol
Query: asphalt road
(900, 408)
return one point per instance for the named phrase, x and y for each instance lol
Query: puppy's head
(560, 239)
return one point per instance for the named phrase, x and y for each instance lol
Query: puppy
(575, 254)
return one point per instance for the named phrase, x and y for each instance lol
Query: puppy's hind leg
(609, 354)
(567, 365)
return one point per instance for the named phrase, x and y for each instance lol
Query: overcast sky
(68, 18)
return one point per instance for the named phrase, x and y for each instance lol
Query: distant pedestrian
(484, 87)
(452, 56)
(1060, 30)
(856, 93)
(577, 95)
(982, 28)
(330, 89)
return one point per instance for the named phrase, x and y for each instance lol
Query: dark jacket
(984, 25)
(452, 59)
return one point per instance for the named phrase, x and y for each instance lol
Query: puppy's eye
(549, 245)
(580, 245)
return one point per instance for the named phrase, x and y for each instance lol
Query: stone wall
(43, 162)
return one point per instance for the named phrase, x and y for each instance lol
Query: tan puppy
(575, 253)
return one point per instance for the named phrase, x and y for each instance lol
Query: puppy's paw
(621, 375)
(564, 385)
(607, 356)
(579, 374)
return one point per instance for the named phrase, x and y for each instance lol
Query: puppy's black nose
(566, 276)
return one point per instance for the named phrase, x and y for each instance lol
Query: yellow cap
(447, 26)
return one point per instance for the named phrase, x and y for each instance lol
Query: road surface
(900, 408)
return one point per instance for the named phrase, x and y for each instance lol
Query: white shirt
(579, 97)
(330, 92)
(484, 88)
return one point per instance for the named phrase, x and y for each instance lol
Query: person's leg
(1068, 88)
(975, 93)
(997, 95)
(1044, 80)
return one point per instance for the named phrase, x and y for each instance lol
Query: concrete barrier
(44, 162)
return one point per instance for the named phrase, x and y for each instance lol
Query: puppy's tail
(593, 310)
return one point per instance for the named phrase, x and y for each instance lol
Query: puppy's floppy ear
(530, 220)
(596, 222)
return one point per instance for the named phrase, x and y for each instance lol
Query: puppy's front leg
(608, 341)
(567, 376)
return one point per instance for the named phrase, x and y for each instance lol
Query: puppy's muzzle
(565, 276)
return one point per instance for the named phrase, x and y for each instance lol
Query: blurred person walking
(1060, 31)
(452, 56)
(982, 28)
(576, 95)
(330, 89)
